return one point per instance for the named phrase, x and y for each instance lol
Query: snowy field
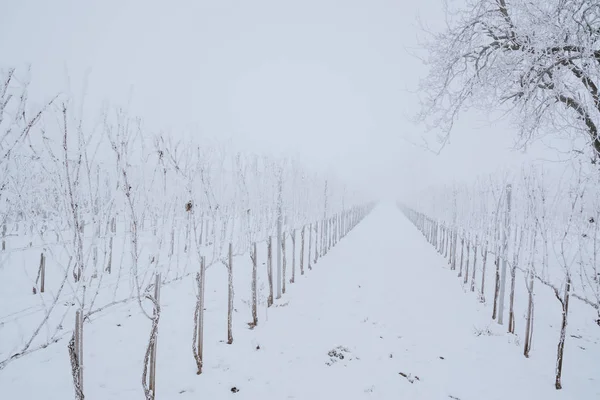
(381, 316)
(316, 199)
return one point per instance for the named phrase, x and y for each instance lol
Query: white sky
(329, 81)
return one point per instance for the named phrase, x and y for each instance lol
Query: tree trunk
(149, 382)
(198, 340)
(529, 320)
(563, 333)
(75, 347)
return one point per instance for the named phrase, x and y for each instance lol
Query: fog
(195, 157)
(330, 82)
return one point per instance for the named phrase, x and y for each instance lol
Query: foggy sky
(330, 82)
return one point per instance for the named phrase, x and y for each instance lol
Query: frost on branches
(539, 59)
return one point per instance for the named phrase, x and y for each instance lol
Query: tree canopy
(540, 59)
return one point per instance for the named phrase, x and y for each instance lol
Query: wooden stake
(270, 273)
(3, 236)
(110, 251)
(283, 239)
(254, 284)
(292, 279)
(309, 250)
(230, 302)
(200, 338)
(302, 251)
(43, 273)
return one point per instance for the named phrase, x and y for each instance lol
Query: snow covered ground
(381, 316)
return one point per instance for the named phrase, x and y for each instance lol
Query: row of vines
(97, 212)
(511, 237)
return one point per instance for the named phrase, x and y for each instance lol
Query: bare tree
(152, 293)
(147, 286)
(564, 302)
(537, 59)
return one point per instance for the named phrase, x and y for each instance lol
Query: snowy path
(382, 293)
